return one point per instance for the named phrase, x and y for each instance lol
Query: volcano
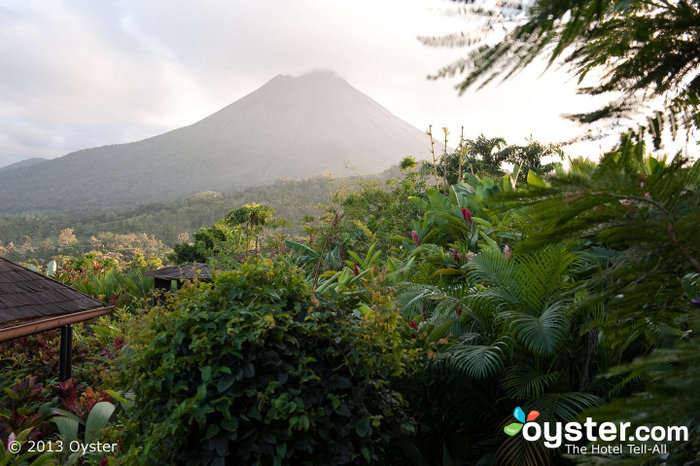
(291, 127)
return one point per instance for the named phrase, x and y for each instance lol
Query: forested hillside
(28, 237)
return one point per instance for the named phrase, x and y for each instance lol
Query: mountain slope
(292, 127)
(22, 163)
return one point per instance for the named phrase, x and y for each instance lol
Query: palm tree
(255, 217)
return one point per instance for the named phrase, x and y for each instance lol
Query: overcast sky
(86, 73)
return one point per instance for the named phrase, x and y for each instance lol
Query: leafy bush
(255, 368)
(103, 280)
(220, 239)
(21, 408)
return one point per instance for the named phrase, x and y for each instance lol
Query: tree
(218, 243)
(529, 157)
(481, 156)
(67, 237)
(643, 49)
(255, 217)
(485, 156)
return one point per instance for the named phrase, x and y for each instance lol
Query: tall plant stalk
(461, 153)
(432, 150)
(444, 157)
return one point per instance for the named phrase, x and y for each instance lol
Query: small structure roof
(191, 271)
(31, 302)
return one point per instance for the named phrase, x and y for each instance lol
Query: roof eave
(37, 326)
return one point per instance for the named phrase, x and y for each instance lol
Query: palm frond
(563, 406)
(542, 334)
(525, 383)
(476, 361)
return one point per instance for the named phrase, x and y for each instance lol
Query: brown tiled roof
(183, 272)
(27, 297)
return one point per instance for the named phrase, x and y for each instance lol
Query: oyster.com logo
(514, 427)
(584, 438)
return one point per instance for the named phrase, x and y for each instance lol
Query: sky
(86, 73)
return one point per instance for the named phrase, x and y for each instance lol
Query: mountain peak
(293, 126)
(320, 74)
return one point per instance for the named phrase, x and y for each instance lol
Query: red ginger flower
(355, 269)
(467, 214)
(413, 325)
(414, 236)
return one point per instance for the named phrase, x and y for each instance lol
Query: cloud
(81, 74)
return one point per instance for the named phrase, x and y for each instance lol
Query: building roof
(191, 271)
(31, 302)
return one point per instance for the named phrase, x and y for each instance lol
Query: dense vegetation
(268, 375)
(405, 328)
(42, 237)
(415, 321)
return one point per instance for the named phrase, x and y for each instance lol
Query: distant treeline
(168, 221)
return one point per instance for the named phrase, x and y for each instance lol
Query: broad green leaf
(302, 248)
(206, 373)
(507, 184)
(98, 419)
(534, 180)
(68, 428)
(418, 202)
(439, 331)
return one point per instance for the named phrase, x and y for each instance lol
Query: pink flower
(414, 236)
(506, 251)
(467, 214)
(647, 195)
(413, 325)
(10, 441)
(457, 256)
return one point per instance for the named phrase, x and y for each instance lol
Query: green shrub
(253, 369)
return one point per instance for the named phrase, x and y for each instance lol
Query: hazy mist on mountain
(293, 127)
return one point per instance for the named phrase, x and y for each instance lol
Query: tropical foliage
(405, 326)
(625, 44)
(401, 321)
(268, 375)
